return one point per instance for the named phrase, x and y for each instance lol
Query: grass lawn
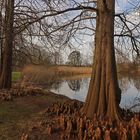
(16, 76)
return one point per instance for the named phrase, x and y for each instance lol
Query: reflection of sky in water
(65, 90)
(131, 99)
(130, 94)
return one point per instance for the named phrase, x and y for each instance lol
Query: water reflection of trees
(126, 81)
(54, 84)
(74, 84)
(137, 83)
(78, 84)
(85, 82)
(136, 104)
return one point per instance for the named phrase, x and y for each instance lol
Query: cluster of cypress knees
(71, 125)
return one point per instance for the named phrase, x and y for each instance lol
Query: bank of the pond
(40, 73)
(40, 116)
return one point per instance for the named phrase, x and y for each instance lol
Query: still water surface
(76, 87)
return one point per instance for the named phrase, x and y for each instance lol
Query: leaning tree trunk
(104, 90)
(5, 79)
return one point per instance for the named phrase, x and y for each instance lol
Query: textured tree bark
(0, 42)
(104, 93)
(5, 79)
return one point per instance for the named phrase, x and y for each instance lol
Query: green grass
(16, 76)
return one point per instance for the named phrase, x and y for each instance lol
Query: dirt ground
(19, 115)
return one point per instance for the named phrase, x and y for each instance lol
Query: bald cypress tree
(104, 93)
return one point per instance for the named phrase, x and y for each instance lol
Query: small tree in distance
(74, 58)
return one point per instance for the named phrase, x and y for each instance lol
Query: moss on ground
(16, 76)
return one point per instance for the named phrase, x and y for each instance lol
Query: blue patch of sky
(126, 5)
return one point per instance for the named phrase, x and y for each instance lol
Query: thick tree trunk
(104, 91)
(5, 79)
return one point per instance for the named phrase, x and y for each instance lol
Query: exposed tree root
(64, 121)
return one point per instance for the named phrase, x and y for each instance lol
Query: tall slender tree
(5, 79)
(0, 41)
(104, 93)
(1, 31)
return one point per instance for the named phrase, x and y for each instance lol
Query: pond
(76, 87)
